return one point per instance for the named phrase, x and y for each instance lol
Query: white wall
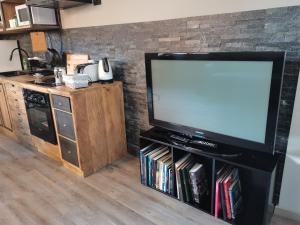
(290, 191)
(130, 11)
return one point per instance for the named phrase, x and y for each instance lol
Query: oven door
(40, 120)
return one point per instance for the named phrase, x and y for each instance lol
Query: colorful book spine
(227, 201)
(217, 199)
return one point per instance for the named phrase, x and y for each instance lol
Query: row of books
(228, 197)
(191, 180)
(157, 168)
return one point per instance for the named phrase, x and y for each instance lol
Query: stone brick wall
(263, 30)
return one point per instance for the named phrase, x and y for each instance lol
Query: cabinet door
(4, 109)
(69, 151)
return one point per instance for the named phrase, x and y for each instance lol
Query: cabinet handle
(13, 85)
(64, 125)
(69, 152)
(60, 104)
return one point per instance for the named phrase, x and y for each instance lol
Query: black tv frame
(278, 59)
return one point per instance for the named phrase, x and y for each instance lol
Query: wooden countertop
(24, 80)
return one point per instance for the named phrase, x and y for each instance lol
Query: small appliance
(90, 68)
(40, 16)
(105, 71)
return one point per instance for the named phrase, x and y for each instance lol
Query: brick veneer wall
(263, 30)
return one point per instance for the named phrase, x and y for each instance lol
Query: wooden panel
(18, 114)
(68, 151)
(4, 109)
(38, 42)
(46, 148)
(65, 125)
(100, 126)
(1, 119)
(62, 103)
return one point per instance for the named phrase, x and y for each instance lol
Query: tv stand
(257, 172)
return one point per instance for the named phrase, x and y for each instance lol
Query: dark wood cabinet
(256, 170)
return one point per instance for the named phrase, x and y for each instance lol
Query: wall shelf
(7, 12)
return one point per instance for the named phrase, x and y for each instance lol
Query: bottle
(25, 64)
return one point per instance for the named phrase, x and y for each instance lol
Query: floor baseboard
(287, 214)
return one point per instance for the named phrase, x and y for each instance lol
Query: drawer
(62, 103)
(64, 123)
(69, 151)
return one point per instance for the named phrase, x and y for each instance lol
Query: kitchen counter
(23, 81)
(89, 122)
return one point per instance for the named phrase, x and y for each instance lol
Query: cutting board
(75, 59)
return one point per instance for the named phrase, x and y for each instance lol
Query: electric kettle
(105, 71)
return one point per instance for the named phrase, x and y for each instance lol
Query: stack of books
(191, 180)
(157, 168)
(228, 198)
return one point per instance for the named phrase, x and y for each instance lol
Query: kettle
(90, 68)
(105, 71)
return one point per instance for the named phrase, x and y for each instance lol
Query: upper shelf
(8, 12)
(62, 4)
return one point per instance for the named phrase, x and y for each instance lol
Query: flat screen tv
(230, 98)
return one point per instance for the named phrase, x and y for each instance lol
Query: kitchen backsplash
(263, 30)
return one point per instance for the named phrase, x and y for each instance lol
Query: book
(154, 167)
(186, 181)
(149, 163)
(181, 176)
(166, 178)
(219, 176)
(235, 197)
(159, 169)
(143, 152)
(198, 182)
(177, 175)
(171, 191)
(222, 202)
(227, 182)
(162, 171)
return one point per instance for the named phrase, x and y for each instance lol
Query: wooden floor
(37, 191)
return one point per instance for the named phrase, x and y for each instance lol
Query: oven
(39, 115)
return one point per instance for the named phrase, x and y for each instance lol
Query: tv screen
(224, 97)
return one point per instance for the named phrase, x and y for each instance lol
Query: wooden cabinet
(5, 116)
(90, 126)
(16, 105)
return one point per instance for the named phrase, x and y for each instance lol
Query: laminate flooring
(35, 190)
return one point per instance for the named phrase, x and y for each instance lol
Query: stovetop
(47, 83)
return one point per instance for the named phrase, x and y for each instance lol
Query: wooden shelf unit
(7, 12)
(257, 176)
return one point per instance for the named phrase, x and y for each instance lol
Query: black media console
(257, 174)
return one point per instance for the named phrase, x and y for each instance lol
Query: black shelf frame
(257, 172)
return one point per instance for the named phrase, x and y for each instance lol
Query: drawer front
(69, 151)
(65, 125)
(62, 103)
